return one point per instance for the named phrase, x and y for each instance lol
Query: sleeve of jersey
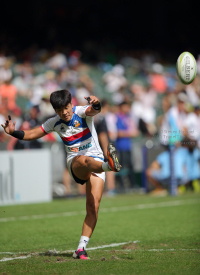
(80, 110)
(48, 126)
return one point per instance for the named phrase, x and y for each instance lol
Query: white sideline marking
(107, 245)
(55, 252)
(158, 250)
(16, 258)
(173, 249)
(110, 245)
(104, 210)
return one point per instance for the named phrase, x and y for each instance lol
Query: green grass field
(167, 230)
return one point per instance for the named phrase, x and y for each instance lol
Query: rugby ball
(186, 68)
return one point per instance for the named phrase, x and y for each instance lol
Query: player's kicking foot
(113, 159)
(80, 254)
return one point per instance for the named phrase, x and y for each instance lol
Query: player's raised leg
(94, 191)
(83, 166)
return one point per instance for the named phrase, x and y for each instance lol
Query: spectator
(36, 73)
(5, 71)
(81, 93)
(157, 79)
(171, 79)
(103, 136)
(142, 109)
(32, 117)
(173, 123)
(31, 120)
(193, 161)
(158, 173)
(50, 85)
(192, 125)
(165, 109)
(2, 121)
(111, 122)
(45, 108)
(192, 94)
(57, 61)
(148, 97)
(74, 60)
(8, 94)
(36, 95)
(127, 130)
(22, 83)
(193, 165)
(115, 80)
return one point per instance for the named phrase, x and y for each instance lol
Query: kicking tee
(78, 134)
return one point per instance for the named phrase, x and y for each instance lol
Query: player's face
(66, 112)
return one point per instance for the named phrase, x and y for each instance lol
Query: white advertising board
(25, 176)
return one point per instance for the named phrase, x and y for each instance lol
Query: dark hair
(60, 99)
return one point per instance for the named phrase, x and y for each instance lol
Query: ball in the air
(186, 67)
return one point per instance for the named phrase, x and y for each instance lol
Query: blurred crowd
(140, 98)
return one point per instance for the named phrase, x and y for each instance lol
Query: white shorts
(100, 175)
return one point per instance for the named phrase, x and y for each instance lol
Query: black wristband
(18, 134)
(96, 106)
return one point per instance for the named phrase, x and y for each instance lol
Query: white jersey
(192, 123)
(78, 134)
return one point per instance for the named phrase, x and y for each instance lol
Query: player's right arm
(9, 128)
(33, 134)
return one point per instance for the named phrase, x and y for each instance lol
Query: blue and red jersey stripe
(82, 136)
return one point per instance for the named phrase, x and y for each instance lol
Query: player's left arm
(95, 107)
(9, 128)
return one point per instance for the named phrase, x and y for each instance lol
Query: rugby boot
(80, 254)
(113, 161)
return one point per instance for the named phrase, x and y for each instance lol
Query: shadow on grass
(53, 253)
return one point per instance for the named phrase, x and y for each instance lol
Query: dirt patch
(47, 261)
(61, 260)
(103, 259)
(113, 251)
(115, 258)
(132, 246)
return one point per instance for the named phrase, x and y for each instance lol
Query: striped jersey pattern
(78, 134)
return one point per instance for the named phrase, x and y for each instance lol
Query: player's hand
(9, 126)
(92, 100)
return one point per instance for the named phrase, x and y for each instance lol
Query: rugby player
(85, 160)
